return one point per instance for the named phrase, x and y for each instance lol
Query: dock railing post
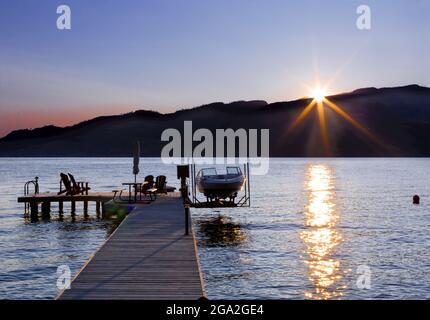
(186, 202)
(184, 173)
(187, 218)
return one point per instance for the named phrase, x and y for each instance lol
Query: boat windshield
(233, 170)
(208, 172)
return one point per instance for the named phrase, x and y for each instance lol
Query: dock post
(86, 209)
(183, 172)
(98, 209)
(186, 202)
(103, 210)
(34, 210)
(46, 208)
(187, 218)
(73, 207)
(60, 207)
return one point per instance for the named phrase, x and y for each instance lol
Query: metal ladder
(35, 184)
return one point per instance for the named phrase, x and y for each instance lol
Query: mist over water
(312, 223)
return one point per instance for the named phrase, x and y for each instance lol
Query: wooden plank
(147, 257)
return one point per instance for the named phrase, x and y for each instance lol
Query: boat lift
(191, 198)
(185, 172)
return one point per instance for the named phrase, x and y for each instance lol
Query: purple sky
(168, 54)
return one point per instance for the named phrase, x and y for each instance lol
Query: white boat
(220, 186)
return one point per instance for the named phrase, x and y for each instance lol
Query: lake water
(317, 228)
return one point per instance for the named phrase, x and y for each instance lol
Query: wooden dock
(46, 198)
(147, 257)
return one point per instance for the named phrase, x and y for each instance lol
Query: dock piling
(46, 208)
(103, 210)
(98, 208)
(34, 209)
(86, 208)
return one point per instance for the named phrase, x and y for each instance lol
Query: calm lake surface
(317, 229)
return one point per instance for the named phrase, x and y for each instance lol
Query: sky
(165, 55)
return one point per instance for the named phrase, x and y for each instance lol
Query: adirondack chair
(148, 183)
(148, 188)
(79, 187)
(160, 184)
(68, 189)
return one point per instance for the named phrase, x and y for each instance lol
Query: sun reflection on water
(321, 237)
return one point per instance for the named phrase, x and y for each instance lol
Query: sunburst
(320, 102)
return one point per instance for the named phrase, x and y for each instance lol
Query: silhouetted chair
(148, 183)
(68, 189)
(79, 187)
(147, 188)
(160, 184)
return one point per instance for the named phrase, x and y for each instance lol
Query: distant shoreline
(369, 122)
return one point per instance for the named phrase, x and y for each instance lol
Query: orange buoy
(416, 199)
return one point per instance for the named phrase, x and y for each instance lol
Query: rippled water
(313, 224)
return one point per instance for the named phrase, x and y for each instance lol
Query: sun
(318, 94)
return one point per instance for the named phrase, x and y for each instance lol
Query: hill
(398, 118)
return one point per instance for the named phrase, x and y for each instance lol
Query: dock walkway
(147, 257)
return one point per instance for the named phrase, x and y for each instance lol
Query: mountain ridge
(405, 109)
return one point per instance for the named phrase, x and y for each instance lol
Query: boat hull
(220, 186)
